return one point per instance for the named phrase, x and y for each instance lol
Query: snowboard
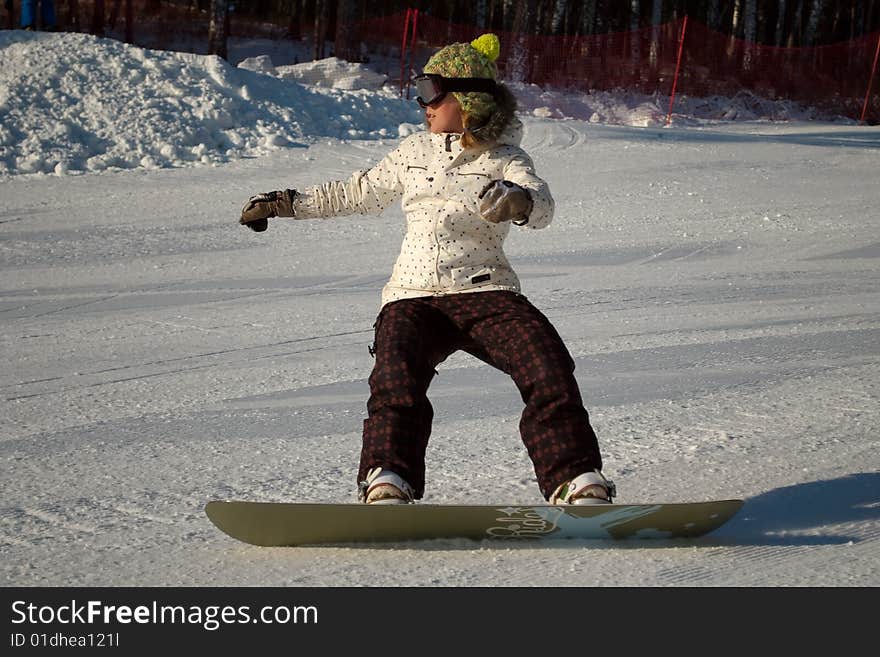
(273, 524)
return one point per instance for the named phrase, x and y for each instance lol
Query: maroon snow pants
(501, 328)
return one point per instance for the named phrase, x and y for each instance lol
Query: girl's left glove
(502, 200)
(261, 207)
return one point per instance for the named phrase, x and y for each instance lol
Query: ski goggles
(432, 88)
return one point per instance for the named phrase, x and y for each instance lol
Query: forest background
(819, 52)
(781, 23)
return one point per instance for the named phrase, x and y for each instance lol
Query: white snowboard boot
(586, 488)
(385, 487)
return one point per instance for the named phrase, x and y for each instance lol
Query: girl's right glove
(260, 208)
(502, 200)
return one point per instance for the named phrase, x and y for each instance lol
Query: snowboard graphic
(273, 524)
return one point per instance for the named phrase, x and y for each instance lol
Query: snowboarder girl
(463, 182)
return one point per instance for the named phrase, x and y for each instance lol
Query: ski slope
(716, 283)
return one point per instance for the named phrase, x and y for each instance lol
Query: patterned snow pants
(501, 328)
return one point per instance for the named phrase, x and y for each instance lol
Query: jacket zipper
(437, 256)
(449, 137)
(437, 239)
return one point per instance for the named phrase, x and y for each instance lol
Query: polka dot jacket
(448, 247)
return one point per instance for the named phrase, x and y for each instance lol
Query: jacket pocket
(417, 183)
(466, 187)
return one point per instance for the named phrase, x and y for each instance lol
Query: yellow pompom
(488, 45)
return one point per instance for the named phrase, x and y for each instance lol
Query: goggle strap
(479, 85)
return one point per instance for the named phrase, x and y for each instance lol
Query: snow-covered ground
(716, 283)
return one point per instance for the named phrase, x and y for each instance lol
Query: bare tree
(750, 33)
(736, 19)
(588, 17)
(524, 24)
(656, 19)
(98, 18)
(217, 28)
(795, 31)
(780, 24)
(73, 16)
(735, 25)
(347, 43)
(508, 14)
(293, 24)
(114, 13)
(635, 45)
(481, 14)
(713, 14)
(322, 11)
(813, 22)
(129, 13)
(557, 22)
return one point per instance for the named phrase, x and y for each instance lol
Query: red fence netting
(834, 78)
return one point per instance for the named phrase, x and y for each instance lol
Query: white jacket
(448, 247)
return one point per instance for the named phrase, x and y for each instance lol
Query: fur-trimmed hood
(502, 127)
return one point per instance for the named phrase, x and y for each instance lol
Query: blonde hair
(468, 138)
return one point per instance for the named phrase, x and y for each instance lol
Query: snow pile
(74, 102)
(336, 73)
(331, 72)
(259, 64)
(645, 111)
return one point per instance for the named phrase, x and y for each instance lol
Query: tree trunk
(795, 32)
(736, 19)
(588, 18)
(520, 64)
(114, 13)
(713, 15)
(217, 28)
(780, 25)
(98, 18)
(635, 54)
(557, 22)
(481, 14)
(508, 14)
(813, 23)
(750, 33)
(735, 25)
(294, 31)
(73, 19)
(750, 21)
(835, 30)
(656, 20)
(322, 9)
(129, 21)
(347, 43)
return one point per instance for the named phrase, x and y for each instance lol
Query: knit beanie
(469, 60)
